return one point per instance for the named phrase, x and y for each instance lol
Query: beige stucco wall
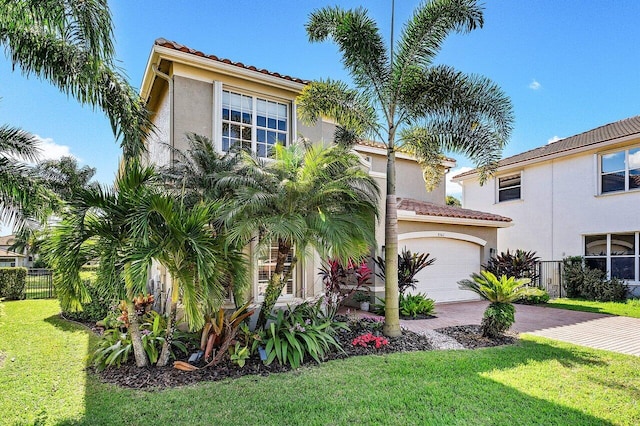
(193, 102)
(157, 151)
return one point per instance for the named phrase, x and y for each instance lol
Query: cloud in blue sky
(49, 150)
(454, 188)
(535, 85)
(554, 139)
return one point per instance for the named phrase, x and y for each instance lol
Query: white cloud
(49, 150)
(454, 188)
(535, 85)
(553, 139)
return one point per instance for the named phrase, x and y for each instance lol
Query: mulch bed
(470, 336)
(156, 378)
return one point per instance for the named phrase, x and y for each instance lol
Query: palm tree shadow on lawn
(460, 377)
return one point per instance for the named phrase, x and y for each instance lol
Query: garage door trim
(442, 234)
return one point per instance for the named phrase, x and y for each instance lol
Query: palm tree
(127, 228)
(64, 177)
(69, 43)
(21, 192)
(304, 197)
(501, 292)
(402, 98)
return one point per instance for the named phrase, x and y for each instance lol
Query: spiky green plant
(501, 293)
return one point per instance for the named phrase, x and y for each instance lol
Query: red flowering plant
(341, 282)
(368, 338)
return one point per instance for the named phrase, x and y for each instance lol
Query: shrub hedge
(12, 283)
(582, 281)
(95, 310)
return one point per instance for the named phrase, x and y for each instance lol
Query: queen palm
(405, 100)
(304, 197)
(69, 43)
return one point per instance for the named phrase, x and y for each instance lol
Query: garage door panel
(455, 261)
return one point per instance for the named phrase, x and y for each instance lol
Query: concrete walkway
(599, 331)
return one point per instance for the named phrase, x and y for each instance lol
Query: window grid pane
(241, 129)
(509, 188)
(620, 171)
(620, 253)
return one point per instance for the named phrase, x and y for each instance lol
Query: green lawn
(536, 382)
(630, 308)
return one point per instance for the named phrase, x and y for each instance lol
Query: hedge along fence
(12, 283)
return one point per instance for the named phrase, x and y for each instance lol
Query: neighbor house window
(616, 254)
(509, 187)
(266, 268)
(620, 171)
(253, 123)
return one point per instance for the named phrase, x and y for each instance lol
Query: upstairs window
(620, 171)
(252, 123)
(509, 188)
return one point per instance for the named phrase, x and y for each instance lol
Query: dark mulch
(155, 378)
(470, 336)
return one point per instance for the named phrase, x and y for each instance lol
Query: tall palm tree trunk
(392, 309)
(276, 283)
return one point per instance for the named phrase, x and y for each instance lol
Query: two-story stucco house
(10, 258)
(236, 104)
(576, 196)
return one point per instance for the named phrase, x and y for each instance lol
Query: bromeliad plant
(298, 333)
(501, 292)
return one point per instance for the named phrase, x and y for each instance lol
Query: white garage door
(455, 260)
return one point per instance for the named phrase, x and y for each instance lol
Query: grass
(630, 308)
(536, 382)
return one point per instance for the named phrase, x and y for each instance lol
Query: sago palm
(304, 197)
(69, 43)
(501, 293)
(401, 97)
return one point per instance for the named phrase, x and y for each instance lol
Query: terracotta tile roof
(611, 131)
(430, 209)
(7, 240)
(182, 48)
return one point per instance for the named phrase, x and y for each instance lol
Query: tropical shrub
(116, 345)
(572, 275)
(501, 292)
(533, 299)
(412, 305)
(220, 330)
(340, 282)
(589, 283)
(519, 264)
(409, 264)
(295, 334)
(97, 309)
(12, 283)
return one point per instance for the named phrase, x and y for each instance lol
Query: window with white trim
(509, 187)
(266, 268)
(620, 171)
(616, 254)
(252, 123)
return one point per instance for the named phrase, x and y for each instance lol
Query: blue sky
(568, 66)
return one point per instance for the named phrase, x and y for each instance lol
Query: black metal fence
(39, 284)
(550, 277)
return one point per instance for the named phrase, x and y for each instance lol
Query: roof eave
(411, 216)
(160, 52)
(553, 156)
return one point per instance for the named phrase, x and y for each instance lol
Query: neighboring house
(576, 196)
(10, 258)
(235, 104)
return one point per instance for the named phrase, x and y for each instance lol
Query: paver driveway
(600, 331)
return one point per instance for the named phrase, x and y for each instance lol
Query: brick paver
(600, 331)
